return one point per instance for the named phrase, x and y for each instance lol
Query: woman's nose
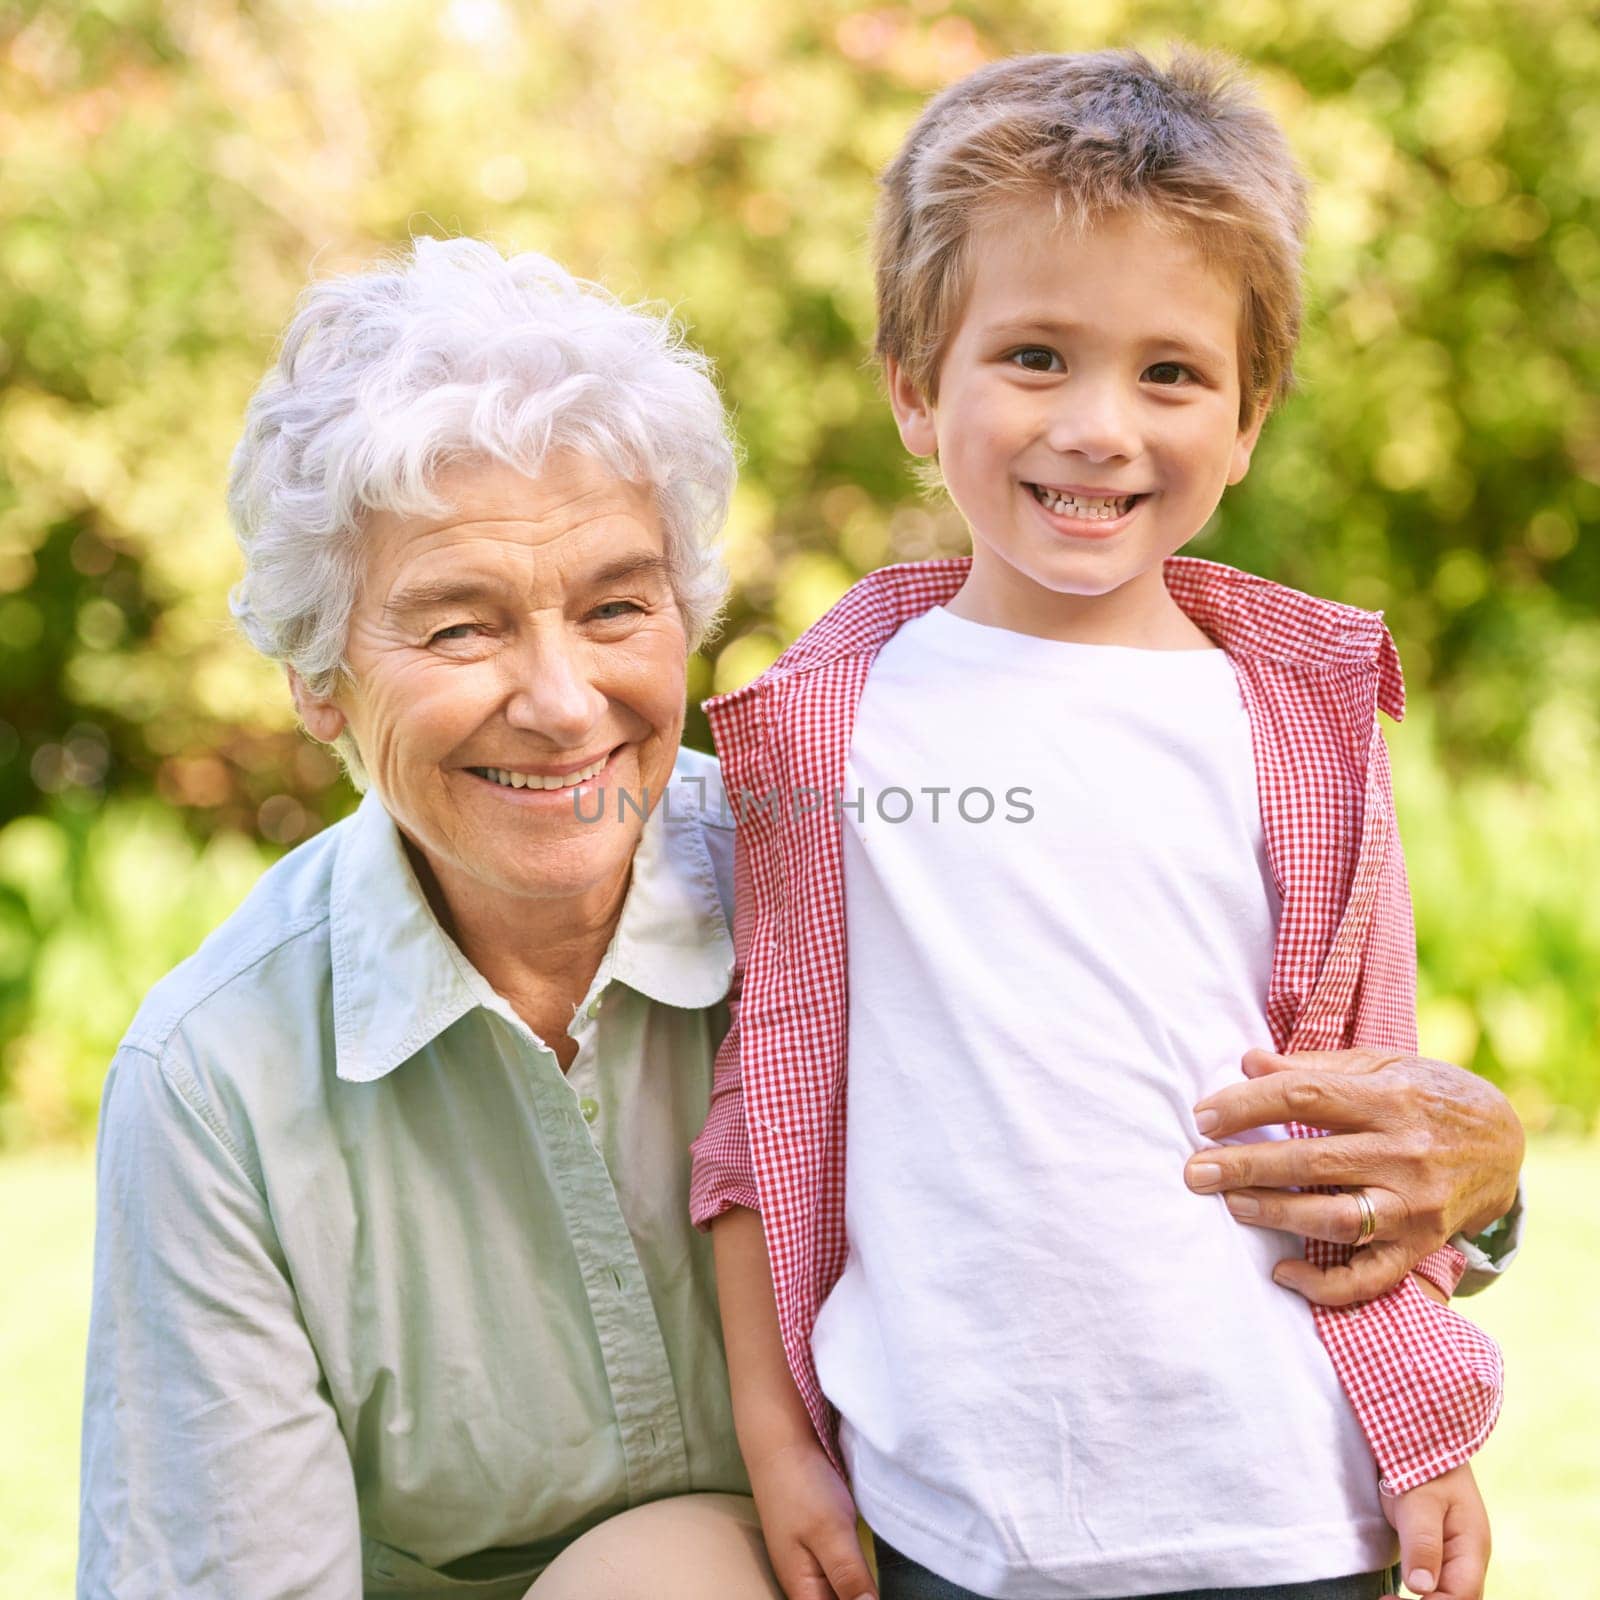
(553, 692)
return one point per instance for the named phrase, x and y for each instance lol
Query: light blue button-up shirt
(384, 1302)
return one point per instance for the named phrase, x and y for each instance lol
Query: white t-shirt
(1060, 1373)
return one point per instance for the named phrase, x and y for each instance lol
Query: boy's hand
(809, 1522)
(1444, 1536)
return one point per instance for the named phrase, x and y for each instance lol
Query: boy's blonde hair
(1096, 134)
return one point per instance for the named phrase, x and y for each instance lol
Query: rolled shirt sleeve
(1489, 1253)
(723, 1175)
(213, 1463)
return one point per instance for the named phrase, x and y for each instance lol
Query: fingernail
(1420, 1581)
(1241, 1205)
(1205, 1121)
(1205, 1176)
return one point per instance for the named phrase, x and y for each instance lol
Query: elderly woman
(396, 1291)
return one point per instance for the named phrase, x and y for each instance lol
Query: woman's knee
(688, 1547)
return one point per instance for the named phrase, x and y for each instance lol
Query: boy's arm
(1442, 1525)
(1446, 1419)
(1425, 1442)
(769, 1414)
(808, 1518)
(722, 1173)
(807, 1515)
(1385, 1019)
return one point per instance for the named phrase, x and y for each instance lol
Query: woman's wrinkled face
(517, 663)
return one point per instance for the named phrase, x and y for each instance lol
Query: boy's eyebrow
(433, 594)
(1200, 349)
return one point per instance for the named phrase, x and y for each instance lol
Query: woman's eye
(456, 630)
(612, 609)
(1035, 358)
(1167, 373)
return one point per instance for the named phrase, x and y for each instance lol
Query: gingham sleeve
(1384, 1020)
(1385, 1010)
(1385, 1004)
(1424, 1381)
(722, 1174)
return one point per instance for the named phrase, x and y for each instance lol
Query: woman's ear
(913, 414)
(323, 719)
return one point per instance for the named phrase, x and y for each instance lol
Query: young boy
(1041, 842)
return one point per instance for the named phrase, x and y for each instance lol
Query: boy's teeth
(532, 780)
(1091, 510)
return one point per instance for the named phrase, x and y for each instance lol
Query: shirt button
(594, 1008)
(589, 1108)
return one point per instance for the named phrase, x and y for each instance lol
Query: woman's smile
(544, 786)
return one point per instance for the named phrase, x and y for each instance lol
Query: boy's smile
(1086, 424)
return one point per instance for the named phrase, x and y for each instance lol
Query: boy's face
(1083, 369)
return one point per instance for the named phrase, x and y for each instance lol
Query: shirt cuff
(1489, 1253)
(1443, 1268)
(710, 1200)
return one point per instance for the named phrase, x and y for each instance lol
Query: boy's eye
(1167, 373)
(1035, 358)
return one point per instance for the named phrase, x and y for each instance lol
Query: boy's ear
(1244, 446)
(912, 414)
(323, 719)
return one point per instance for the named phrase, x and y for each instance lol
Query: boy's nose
(1095, 422)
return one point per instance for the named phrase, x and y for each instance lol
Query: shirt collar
(399, 980)
(672, 941)
(1245, 614)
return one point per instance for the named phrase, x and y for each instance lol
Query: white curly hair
(447, 352)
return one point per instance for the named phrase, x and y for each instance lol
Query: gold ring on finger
(1369, 1217)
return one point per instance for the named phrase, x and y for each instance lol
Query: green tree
(172, 172)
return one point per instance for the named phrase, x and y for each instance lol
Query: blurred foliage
(1503, 867)
(170, 172)
(93, 910)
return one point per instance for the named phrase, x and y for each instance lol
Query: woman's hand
(1437, 1150)
(809, 1522)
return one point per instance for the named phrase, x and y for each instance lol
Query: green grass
(47, 1223)
(1540, 1472)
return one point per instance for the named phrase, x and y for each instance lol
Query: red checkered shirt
(1424, 1382)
